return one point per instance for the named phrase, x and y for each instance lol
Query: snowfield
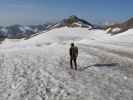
(38, 68)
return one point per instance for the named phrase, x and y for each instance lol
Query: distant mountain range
(21, 31)
(121, 27)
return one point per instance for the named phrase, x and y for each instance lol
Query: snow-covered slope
(38, 68)
(125, 36)
(59, 35)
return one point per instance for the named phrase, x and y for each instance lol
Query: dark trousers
(73, 60)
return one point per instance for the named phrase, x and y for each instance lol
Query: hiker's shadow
(100, 65)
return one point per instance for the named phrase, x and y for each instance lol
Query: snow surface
(38, 68)
(125, 36)
(117, 29)
(25, 28)
(4, 30)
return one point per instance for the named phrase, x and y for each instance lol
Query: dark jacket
(73, 52)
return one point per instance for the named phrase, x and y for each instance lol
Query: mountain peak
(73, 21)
(131, 19)
(130, 22)
(73, 17)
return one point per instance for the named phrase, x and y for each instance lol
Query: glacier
(38, 68)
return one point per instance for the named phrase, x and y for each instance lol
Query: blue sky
(41, 11)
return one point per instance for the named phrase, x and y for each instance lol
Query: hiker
(73, 51)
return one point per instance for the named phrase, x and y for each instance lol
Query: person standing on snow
(73, 51)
